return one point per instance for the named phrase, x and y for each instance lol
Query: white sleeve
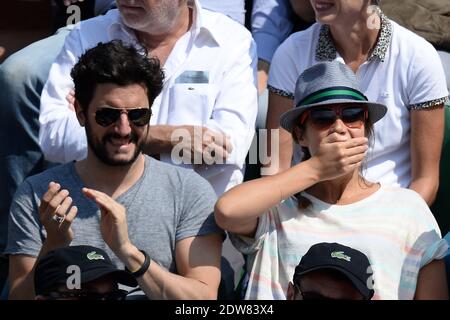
(236, 106)
(283, 71)
(427, 85)
(61, 137)
(424, 237)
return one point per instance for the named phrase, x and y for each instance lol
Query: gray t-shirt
(167, 204)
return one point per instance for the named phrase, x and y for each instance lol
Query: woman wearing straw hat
(325, 198)
(394, 67)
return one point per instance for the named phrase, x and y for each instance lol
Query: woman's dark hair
(114, 62)
(304, 202)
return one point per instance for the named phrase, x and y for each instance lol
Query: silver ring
(58, 219)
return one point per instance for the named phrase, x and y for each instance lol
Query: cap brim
(121, 276)
(288, 119)
(362, 287)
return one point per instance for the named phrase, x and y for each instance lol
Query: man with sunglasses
(332, 271)
(203, 119)
(80, 273)
(151, 217)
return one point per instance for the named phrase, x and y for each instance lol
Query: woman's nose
(338, 126)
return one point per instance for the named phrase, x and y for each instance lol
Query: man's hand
(56, 217)
(113, 221)
(338, 156)
(201, 145)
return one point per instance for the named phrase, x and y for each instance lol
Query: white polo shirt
(210, 80)
(404, 72)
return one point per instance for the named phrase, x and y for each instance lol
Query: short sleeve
(424, 238)
(25, 235)
(247, 245)
(197, 208)
(283, 72)
(427, 85)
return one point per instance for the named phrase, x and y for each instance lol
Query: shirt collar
(118, 29)
(200, 24)
(198, 27)
(326, 50)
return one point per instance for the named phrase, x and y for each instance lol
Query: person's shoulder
(222, 26)
(411, 210)
(172, 172)
(39, 182)
(88, 33)
(403, 196)
(175, 180)
(397, 191)
(307, 34)
(300, 41)
(58, 171)
(164, 168)
(100, 21)
(406, 38)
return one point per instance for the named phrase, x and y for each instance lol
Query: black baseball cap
(93, 262)
(350, 262)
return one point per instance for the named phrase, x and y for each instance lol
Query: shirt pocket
(191, 103)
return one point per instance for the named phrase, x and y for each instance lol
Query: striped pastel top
(393, 227)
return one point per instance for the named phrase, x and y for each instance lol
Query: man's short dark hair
(116, 63)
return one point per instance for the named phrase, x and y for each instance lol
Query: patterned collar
(326, 51)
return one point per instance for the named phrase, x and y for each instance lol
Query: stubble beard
(100, 151)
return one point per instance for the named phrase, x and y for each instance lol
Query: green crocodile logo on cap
(340, 255)
(95, 256)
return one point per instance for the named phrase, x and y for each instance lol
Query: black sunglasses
(106, 116)
(74, 295)
(322, 118)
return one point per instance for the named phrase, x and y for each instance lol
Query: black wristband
(143, 269)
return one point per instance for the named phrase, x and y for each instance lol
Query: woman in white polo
(394, 67)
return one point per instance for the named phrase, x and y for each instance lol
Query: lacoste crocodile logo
(340, 255)
(95, 256)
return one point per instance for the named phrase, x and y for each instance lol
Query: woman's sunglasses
(106, 116)
(353, 116)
